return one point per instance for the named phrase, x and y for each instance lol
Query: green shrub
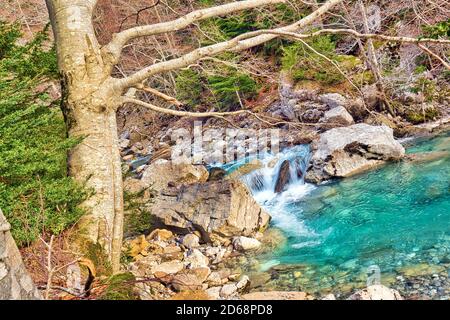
(426, 86)
(218, 86)
(420, 69)
(35, 193)
(227, 87)
(188, 84)
(420, 117)
(304, 64)
(438, 30)
(222, 28)
(138, 218)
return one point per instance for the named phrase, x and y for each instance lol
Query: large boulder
(160, 174)
(225, 208)
(15, 282)
(341, 152)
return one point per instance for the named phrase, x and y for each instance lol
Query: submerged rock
(345, 151)
(225, 208)
(276, 295)
(421, 269)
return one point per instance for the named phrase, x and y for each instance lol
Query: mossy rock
(417, 117)
(365, 77)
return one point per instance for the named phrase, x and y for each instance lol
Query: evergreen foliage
(306, 65)
(35, 193)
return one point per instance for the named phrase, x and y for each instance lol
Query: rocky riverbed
(207, 231)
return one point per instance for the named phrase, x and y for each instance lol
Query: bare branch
(114, 48)
(357, 35)
(434, 55)
(181, 113)
(262, 37)
(219, 115)
(416, 41)
(241, 42)
(138, 12)
(161, 95)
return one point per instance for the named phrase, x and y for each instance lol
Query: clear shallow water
(392, 217)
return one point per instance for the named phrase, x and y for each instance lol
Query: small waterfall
(263, 182)
(265, 179)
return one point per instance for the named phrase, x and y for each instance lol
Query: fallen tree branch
(219, 115)
(181, 113)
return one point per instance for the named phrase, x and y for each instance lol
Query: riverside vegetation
(361, 179)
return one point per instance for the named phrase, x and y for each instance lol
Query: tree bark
(89, 105)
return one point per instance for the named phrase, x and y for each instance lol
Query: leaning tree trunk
(89, 102)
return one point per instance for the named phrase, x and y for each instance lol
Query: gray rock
(15, 282)
(284, 177)
(170, 267)
(228, 290)
(159, 174)
(376, 292)
(341, 152)
(214, 292)
(225, 208)
(191, 241)
(243, 283)
(190, 279)
(333, 100)
(339, 116)
(196, 259)
(124, 143)
(246, 244)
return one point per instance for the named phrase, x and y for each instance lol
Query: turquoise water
(392, 217)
